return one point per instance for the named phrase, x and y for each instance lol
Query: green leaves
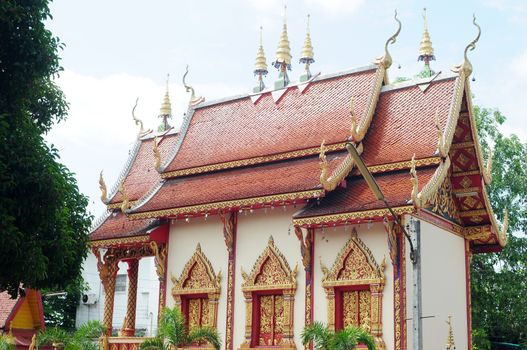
(345, 339)
(499, 281)
(85, 338)
(43, 217)
(172, 333)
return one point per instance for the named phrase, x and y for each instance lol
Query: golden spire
(283, 56)
(307, 55)
(283, 52)
(450, 345)
(426, 51)
(165, 111)
(260, 65)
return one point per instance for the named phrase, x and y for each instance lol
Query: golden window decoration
(197, 291)
(269, 292)
(354, 288)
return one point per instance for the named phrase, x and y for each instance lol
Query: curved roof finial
(466, 66)
(386, 60)
(138, 121)
(193, 99)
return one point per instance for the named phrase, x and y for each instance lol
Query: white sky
(121, 49)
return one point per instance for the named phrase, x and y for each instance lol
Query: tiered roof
(263, 150)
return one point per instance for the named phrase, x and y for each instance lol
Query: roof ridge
(126, 169)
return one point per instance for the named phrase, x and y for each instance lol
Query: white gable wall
(444, 287)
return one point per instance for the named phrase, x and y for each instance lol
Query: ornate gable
(197, 277)
(271, 271)
(354, 265)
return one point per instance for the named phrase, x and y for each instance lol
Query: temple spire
(283, 57)
(165, 112)
(307, 55)
(426, 51)
(260, 66)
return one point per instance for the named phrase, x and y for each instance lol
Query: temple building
(261, 222)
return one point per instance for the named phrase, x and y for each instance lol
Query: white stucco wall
(253, 234)
(183, 239)
(443, 288)
(329, 243)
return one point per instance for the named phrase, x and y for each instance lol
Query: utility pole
(417, 321)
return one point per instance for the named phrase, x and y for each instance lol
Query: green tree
(43, 217)
(7, 342)
(60, 310)
(499, 281)
(345, 339)
(84, 338)
(172, 333)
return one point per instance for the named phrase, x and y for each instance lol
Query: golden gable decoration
(270, 273)
(198, 277)
(357, 281)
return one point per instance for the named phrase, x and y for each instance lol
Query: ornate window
(354, 287)
(269, 292)
(197, 291)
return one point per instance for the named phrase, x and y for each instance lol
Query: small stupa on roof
(426, 51)
(283, 57)
(165, 112)
(307, 55)
(260, 66)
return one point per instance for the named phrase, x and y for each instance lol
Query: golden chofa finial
(386, 60)
(193, 99)
(157, 153)
(283, 57)
(307, 55)
(102, 187)
(260, 66)
(165, 111)
(450, 345)
(466, 66)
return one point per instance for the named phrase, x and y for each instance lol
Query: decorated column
(108, 267)
(306, 250)
(160, 256)
(128, 329)
(229, 234)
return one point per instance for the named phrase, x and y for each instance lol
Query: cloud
(335, 7)
(519, 64)
(100, 131)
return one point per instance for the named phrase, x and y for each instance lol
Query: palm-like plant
(7, 342)
(81, 339)
(172, 333)
(346, 339)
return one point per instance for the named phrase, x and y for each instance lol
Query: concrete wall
(183, 239)
(147, 296)
(443, 287)
(329, 243)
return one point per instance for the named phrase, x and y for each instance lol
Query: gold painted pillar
(229, 234)
(108, 267)
(160, 259)
(128, 329)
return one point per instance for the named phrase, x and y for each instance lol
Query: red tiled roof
(142, 175)
(240, 129)
(403, 123)
(6, 307)
(269, 179)
(117, 225)
(357, 196)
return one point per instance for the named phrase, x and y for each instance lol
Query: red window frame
(185, 306)
(255, 332)
(339, 303)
